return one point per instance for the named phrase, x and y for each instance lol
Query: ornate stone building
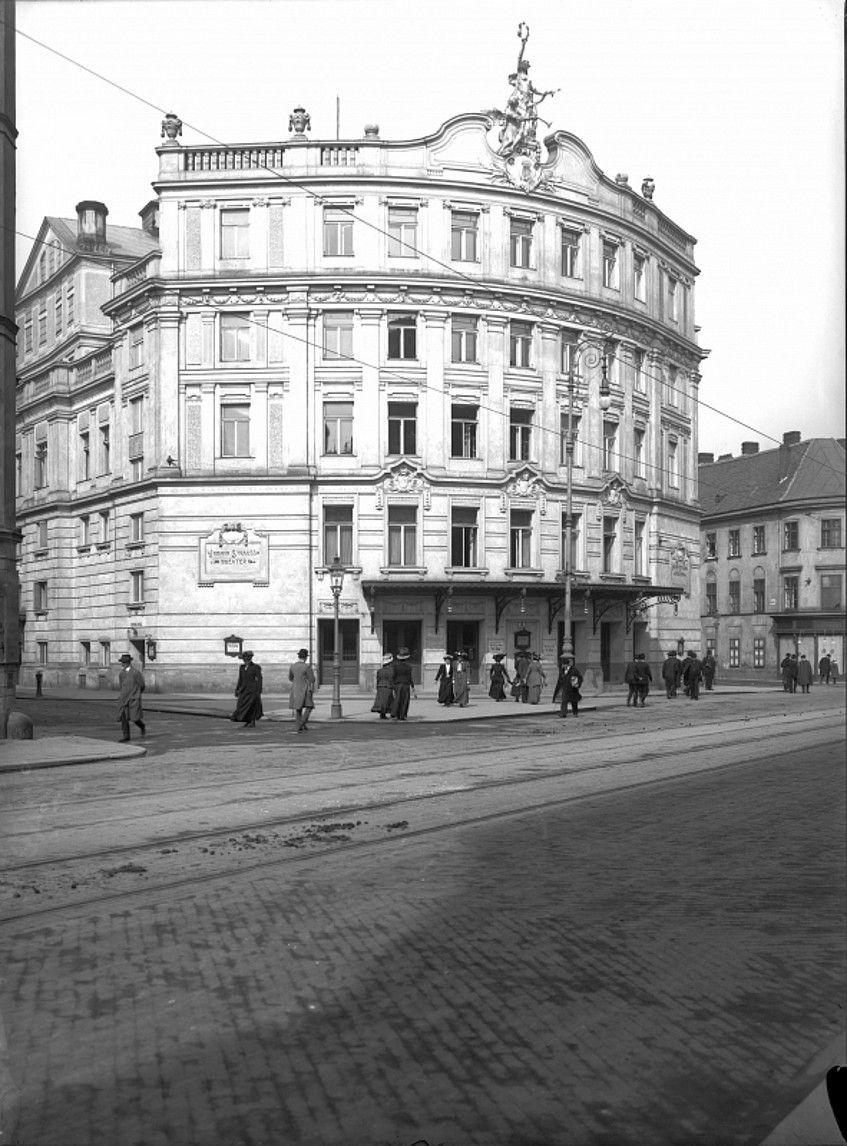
(773, 555)
(368, 348)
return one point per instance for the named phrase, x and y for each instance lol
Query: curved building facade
(373, 349)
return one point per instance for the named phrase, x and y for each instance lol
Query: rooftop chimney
(749, 448)
(704, 459)
(150, 218)
(371, 130)
(791, 438)
(91, 224)
(724, 457)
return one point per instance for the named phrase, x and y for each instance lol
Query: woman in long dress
(535, 680)
(384, 687)
(499, 678)
(404, 685)
(248, 693)
(444, 680)
(460, 681)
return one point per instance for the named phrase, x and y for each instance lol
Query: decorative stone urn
(647, 188)
(299, 123)
(171, 128)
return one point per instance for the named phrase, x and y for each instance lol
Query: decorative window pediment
(404, 479)
(525, 486)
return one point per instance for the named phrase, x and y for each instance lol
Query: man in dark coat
(568, 686)
(787, 672)
(248, 692)
(824, 665)
(131, 685)
(404, 685)
(384, 687)
(638, 676)
(693, 672)
(671, 672)
(709, 669)
(805, 673)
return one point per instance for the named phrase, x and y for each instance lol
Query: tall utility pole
(9, 587)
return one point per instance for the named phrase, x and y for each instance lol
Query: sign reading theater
(231, 553)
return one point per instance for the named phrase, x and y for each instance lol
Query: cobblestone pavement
(659, 965)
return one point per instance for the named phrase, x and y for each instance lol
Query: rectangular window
(638, 437)
(758, 652)
(136, 587)
(105, 448)
(84, 456)
(759, 542)
(671, 298)
(790, 536)
(28, 333)
(235, 338)
(402, 232)
(105, 520)
(40, 598)
(735, 597)
(136, 527)
(831, 533)
(639, 275)
(235, 430)
(402, 427)
(135, 445)
(338, 334)
(576, 420)
(69, 309)
(136, 348)
(638, 549)
(673, 464)
(464, 334)
(520, 344)
(790, 593)
(338, 534)
(40, 475)
(338, 428)
(758, 594)
(520, 243)
(42, 324)
(734, 652)
(571, 262)
(711, 599)
(831, 595)
(711, 546)
(42, 652)
(42, 535)
(464, 237)
(568, 352)
(639, 372)
(463, 537)
(235, 233)
(85, 530)
(85, 653)
(402, 534)
(520, 434)
(59, 314)
(611, 277)
(402, 336)
(576, 527)
(19, 473)
(671, 388)
(610, 445)
(520, 539)
(338, 232)
(734, 543)
(106, 654)
(610, 544)
(463, 431)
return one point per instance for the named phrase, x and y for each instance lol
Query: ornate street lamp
(592, 354)
(336, 583)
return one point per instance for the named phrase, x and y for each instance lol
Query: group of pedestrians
(453, 680)
(248, 691)
(798, 672)
(395, 686)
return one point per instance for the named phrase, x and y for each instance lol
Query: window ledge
(136, 545)
(613, 578)
(136, 606)
(40, 552)
(408, 570)
(41, 612)
(103, 546)
(529, 571)
(83, 548)
(466, 571)
(354, 571)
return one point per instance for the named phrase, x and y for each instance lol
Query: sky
(733, 107)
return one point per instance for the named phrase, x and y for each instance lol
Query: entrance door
(138, 645)
(349, 640)
(399, 634)
(463, 637)
(606, 650)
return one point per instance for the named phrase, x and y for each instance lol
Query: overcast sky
(734, 107)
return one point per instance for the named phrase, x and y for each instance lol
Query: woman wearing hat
(444, 680)
(301, 692)
(534, 680)
(131, 683)
(461, 678)
(568, 685)
(248, 692)
(384, 687)
(499, 678)
(404, 685)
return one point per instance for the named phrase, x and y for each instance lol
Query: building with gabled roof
(773, 572)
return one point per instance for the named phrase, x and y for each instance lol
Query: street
(625, 929)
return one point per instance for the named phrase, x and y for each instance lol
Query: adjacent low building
(367, 349)
(773, 568)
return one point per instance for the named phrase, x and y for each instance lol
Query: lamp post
(336, 583)
(603, 356)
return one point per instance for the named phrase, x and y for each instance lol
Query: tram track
(336, 841)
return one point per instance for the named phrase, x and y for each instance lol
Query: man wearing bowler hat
(404, 685)
(131, 685)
